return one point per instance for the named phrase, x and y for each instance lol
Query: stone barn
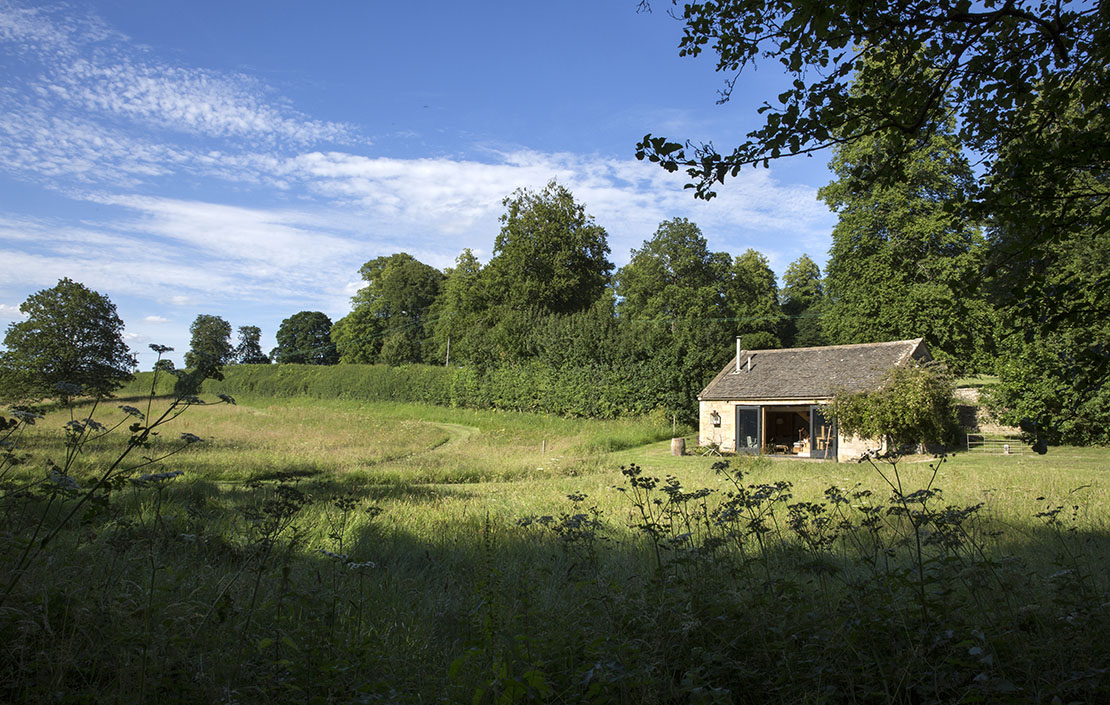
(769, 402)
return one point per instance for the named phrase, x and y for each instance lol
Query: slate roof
(811, 373)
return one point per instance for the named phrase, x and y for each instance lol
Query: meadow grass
(341, 551)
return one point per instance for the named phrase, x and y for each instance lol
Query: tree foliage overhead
(984, 64)
(550, 254)
(305, 338)
(71, 335)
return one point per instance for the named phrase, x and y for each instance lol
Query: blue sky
(244, 159)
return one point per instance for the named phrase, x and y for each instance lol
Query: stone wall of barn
(849, 448)
(725, 434)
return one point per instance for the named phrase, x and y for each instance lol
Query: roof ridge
(907, 341)
(809, 373)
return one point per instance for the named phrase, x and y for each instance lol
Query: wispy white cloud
(8, 312)
(86, 123)
(61, 29)
(184, 252)
(446, 197)
(81, 100)
(35, 143)
(200, 101)
(155, 319)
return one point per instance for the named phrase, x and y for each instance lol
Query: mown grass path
(458, 432)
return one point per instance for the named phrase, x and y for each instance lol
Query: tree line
(903, 264)
(906, 261)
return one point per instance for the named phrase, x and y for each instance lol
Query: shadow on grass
(293, 589)
(693, 600)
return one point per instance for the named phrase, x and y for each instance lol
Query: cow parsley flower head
(156, 478)
(64, 482)
(68, 388)
(26, 415)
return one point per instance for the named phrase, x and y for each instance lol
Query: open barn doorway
(787, 431)
(797, 431)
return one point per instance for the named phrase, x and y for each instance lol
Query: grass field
(328, 551)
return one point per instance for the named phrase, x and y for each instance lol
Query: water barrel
(678, 446)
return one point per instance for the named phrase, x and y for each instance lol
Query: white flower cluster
(64, 482)
(157, 477)
(344, 558)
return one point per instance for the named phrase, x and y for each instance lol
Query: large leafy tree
(305, 338)
(72, 335)
(752, 298)
(673, 276)
(210, 345)
(584, 339)
(249, 349)
(1025, 81)
(399, 288)
(673, 308)
(1053, 292)
(550, 254)
(456, 320)
(358, 336)
(390, 313)
(905, 262)
(802, 295)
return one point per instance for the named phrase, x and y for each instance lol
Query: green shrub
(914, 405)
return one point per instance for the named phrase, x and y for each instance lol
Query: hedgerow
(589, 391)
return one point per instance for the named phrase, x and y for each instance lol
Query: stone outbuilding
(770, 402)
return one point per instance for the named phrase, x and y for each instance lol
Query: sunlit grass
(511, 463)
